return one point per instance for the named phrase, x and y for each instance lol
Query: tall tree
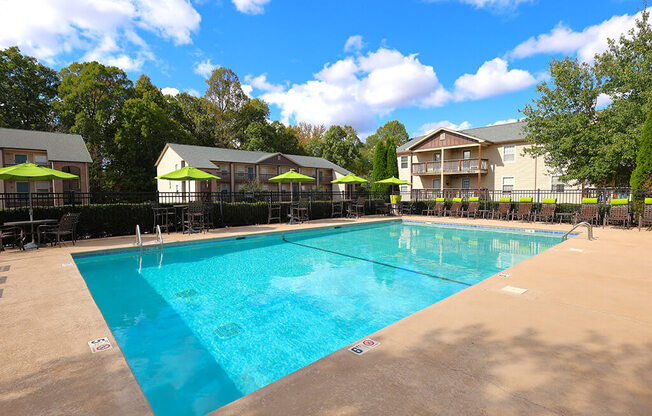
(274, 137)
(252, 111)
(226, 97)
(391, 168)
(380, 167)
(310, 137)
(27, 89)
(341, 146)
(90, 100)
(192, 113)
(642, 175)
(394, 130)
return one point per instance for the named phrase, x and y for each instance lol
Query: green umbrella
(188, 173)
(394, 181)
(350, 179)
(31, 172)
(291, 176)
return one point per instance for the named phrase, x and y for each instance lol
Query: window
(42, 187)
(22, 187)
(225, 188)
(466, 154)
(18, 159)
(250, 172)
(404, 162)
(509, 153)
(436, 183)
(466, 183)
(405, 189)
(557, 184)
(437, 157)
(508, 184)
(40, 159)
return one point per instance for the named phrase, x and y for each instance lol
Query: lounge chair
(618, 212)
(504, 208)
(474, 207)
(67, 227)
(437, 209)
(646, 216)
(547, 211)
(455, 209)
(589, 211)
(524, 209)
(381, 207)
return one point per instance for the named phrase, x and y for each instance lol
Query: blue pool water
(218, 320)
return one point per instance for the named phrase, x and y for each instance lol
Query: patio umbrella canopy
(31, 172)
(188, 173)
(350, 179)
(290, 177)
(394, 181)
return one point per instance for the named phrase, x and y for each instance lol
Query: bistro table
(23, 225)
(179, 208)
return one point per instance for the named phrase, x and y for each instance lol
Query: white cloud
(247, 89)
(250, 6)
(103, 29)
(603, 101)
(430, 127)
(260, 82)
(587, 43)
(490, 4)
(354, 43)
(192, 92)
(169, 91)
(492, 78)
(356, 90)
(204, 68)
(499, 122)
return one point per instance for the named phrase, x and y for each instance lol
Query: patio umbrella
(31, 172)
(291, 177)
(188, 173)
(350, 179)
(394, 181)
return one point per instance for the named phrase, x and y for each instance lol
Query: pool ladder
(583, 223)
(139, 243)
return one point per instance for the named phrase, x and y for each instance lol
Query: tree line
(126, 124)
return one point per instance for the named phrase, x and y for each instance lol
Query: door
(466, 162)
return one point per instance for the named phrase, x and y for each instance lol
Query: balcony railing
(224, 176)
(450, 166)
(325, 179)
(244, 177)
(265, 177)
(14, 163)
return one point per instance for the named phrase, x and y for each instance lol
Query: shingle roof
(59, 146)
(507, 132)
(202, 157)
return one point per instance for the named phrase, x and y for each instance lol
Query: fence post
(538, 195)
(604, 202)
(72, 194)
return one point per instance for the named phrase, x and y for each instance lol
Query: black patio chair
(12, 236)
(67, 227)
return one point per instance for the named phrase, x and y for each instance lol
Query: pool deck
(578, 341)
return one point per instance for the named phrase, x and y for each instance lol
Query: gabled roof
(508, 132)
(59, 146)
(203, 157)
(419, 139)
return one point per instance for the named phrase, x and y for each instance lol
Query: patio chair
(455, 209)
(67, 227)
(11, 235)
(589, 211)
(524, 209)
(504, 208)
(474, 207)
(193, 220)
(337, 208)
(436, 209)
(165, 217)
(405, 207)
(547, 211)
(646, 216)
(273, 211)
(381, 207)
(618, 212)
(299, 211)
(357, 209)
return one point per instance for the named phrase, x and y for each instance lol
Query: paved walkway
(579, 341)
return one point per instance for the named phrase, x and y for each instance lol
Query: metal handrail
(159, 236)
(584, 223)
(139, 239)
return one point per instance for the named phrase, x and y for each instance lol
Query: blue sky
(454, 63)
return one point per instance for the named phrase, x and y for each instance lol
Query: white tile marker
(99, 345)
(516, 290)
(364, 346)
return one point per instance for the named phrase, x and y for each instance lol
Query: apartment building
(489, 157)
(238, 167)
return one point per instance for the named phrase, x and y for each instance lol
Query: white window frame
(468, 180)
(22, 182)
(465, 152)
(20, 154)
(502, 184)
(512, 155)
(434, 183)
(43, 161)
(404, 162)
(556, 183)
(42, 186)
(435, 156)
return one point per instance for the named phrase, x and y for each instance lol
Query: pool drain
(227, 331)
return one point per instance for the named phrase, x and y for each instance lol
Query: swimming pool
(215, 320)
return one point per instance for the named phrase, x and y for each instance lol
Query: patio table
(562, 215)
(23, 225)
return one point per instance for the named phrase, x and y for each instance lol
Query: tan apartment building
(238, 167)
(64, 152)
(489, 157)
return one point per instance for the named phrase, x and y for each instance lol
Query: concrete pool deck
(579, 341)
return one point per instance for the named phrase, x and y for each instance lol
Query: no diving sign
(99, 345)
(364, 346)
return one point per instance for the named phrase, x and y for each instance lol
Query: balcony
(325, 179)
(244, 177)
(224, 176)
(14, 163)
(451, 167)
(265, 177)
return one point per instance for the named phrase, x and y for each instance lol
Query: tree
(379, 168)
(145, 129)
(275, 137)
(252, 111)
(310, 137)
(394, 130)
(391, 168)
(642, 175)
(225, 99)
(90, 100)
(192, 113)
(341, 146)
(27, 89)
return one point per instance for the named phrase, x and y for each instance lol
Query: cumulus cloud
(204, 68)
(260, 82)
(603, 101)
(250, 6)
(354, 43)
(492, 78)
(192, 92)
(587, 43)
(103, 29)
(430, 127)
(355, 90)
(169, 91)
(499, 122)
(498, 5)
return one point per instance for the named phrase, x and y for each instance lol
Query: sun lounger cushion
(440, 199)
(623, 201)
(474, 199)
(457, 199)
(589, 200)
(648, 201)
(505, 199)
(526, 199)
(549, 200)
